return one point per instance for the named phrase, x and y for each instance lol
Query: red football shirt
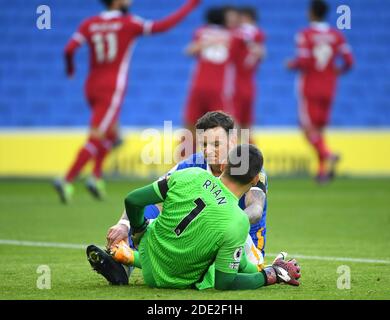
(110, 37)
(211, 69)
(318, 48)
(245, 64)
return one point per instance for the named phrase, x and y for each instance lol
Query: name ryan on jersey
(210, 186)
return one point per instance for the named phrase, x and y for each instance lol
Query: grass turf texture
(348, 218)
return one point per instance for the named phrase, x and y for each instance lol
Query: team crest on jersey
(237, 254)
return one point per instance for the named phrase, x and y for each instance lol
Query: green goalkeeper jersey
(200, 223)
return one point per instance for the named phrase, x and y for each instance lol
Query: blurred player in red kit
(110, 37)
(248, 50)
(318, 48)
(208, 91)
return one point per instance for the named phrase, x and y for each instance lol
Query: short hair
(214, 119)
(107, 3)
(214, 15)
(319, 9)
(236, 159)
(250, 12)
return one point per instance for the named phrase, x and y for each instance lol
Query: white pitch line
(42, 244)
(344, 259)
(83, 246)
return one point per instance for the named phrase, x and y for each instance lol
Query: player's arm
(254, 204)
(137, 200)
(197, 45)
(255, 199)
(233, 271)
(256, 49)
(78, 39)
(302, 59)
(194, 48)
(256, 53)
(172, 20)
(344, 51)
(118, 232)
(252, 279)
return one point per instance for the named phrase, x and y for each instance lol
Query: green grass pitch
(349, 218)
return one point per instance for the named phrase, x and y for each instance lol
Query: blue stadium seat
(35, 92)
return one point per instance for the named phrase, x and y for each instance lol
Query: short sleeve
(300, 39)
(302, 45)
(81, 35)
(230, 253)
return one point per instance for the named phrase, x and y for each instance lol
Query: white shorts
(254, 255)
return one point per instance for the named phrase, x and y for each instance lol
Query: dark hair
(214, 119)
(107, 3)
(214, 15)
(319, 9)
(245, 156)
(250, 12)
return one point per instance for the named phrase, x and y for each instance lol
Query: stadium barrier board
(49, 152)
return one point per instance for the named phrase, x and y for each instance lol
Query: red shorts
(202, 101)
(243, 110)
(314, 112)
(105, 106)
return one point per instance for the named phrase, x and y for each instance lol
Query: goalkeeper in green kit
(197, 241)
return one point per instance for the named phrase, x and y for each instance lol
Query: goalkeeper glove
(282, 271)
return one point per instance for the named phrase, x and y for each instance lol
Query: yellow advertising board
(47, 153)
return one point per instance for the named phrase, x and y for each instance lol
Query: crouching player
(214, 132)
(197, 241)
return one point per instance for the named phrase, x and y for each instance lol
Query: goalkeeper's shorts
(253, 253)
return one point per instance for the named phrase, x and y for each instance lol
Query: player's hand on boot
(116, 234)
(282, 271)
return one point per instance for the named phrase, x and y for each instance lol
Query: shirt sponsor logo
(234, 265)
